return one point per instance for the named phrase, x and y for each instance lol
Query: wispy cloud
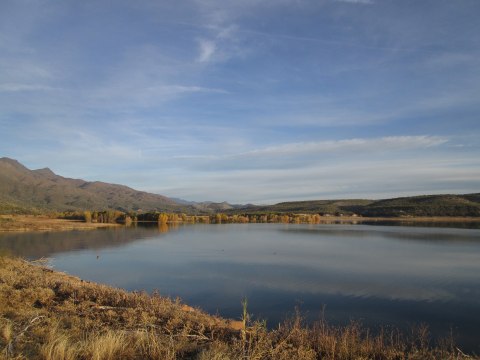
(221, 43)
(364, 2)
(146, 77)
(352, 145)
(207, 49)
(372, 177)
(453, 59)
(181, 89)
(19, 72)
(15, 87)
(255, 100)
(303, 153)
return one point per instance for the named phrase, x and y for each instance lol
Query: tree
(87, 215)
(162, 218)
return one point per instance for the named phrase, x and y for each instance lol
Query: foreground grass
(49, 315)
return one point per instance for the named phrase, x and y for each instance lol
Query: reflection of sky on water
(383, 275)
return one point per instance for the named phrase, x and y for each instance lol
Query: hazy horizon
(246, 102)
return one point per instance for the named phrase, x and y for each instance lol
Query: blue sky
(246, 101)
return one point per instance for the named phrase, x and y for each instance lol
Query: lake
(379, 275)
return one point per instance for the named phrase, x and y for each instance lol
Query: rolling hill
(425, 205)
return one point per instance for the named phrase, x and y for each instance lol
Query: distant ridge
(24, 190)
(413, 206)
(209, 206)
(32, 191)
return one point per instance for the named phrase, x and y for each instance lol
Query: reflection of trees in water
(45, 244)
(35, 245)
(162, 227)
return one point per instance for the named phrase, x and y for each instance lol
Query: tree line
(128, 218)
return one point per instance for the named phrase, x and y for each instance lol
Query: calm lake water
(381, 275)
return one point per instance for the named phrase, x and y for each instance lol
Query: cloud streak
(341, 178)
(307, 154)
(15, 87)
(245, 101)
(387, 143)
(362, 2)
(207, 50)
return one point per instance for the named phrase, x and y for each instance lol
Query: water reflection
(34, 245)
(430, 224)
(381, 275)
(394, 231)
(457, 224)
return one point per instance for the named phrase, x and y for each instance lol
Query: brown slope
(22, 189)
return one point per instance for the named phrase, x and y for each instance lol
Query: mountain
(32, 191)
(182, 201)
(209, 206)
(312, 206)
(425, 205)
(25, 190)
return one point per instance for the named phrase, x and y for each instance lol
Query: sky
(251, 101)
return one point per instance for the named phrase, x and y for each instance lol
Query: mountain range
(466, 205)
(35, 191)
(25, 190)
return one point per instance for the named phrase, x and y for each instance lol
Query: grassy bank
(50, 315)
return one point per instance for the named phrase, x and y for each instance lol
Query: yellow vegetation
(45, 223)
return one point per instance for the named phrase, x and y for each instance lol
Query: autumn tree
(162, 218)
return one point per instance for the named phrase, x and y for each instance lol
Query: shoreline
(438, 219)
(38, 223)
(48, 314)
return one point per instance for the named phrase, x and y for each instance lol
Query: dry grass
(50, 315)
(22, 223)
(59, 347)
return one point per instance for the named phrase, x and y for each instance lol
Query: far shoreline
(42, 223)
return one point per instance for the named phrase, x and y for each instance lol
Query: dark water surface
(381, 275)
